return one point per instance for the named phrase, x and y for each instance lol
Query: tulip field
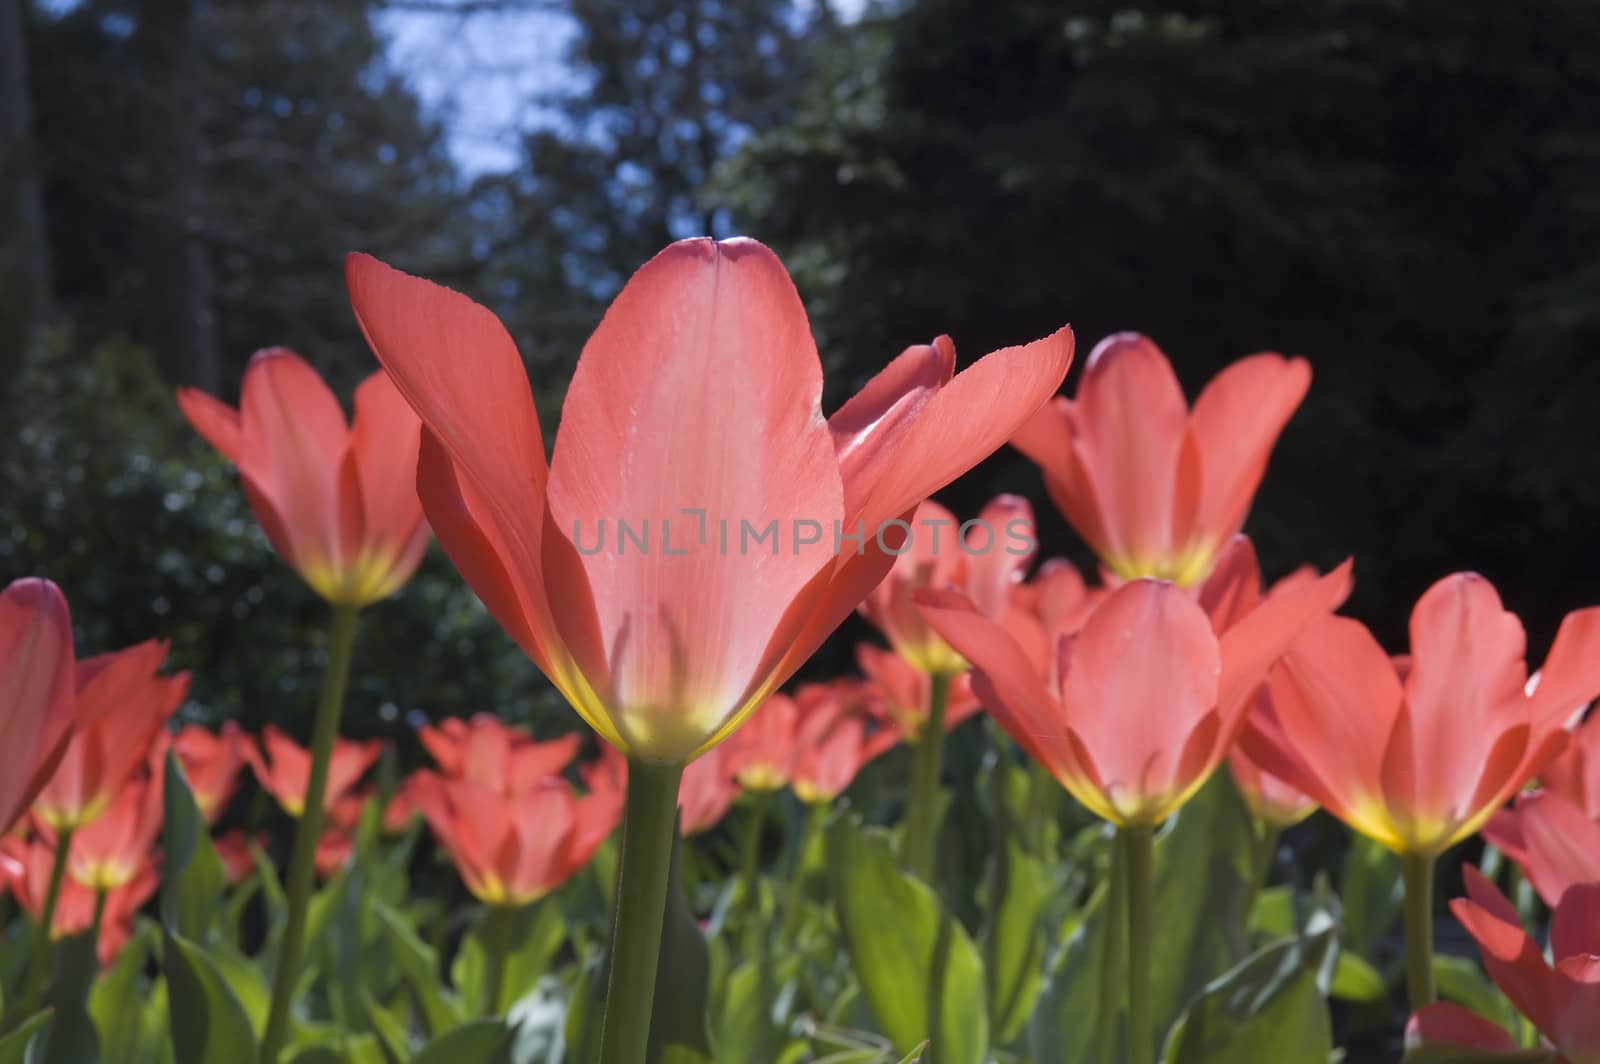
(1044, 820)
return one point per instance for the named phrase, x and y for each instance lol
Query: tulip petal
(36, 690)
(964, 423)
(1130, 416)
(1237, 419)
(1575, 924)
(1143, 678)
(1253, 644)
(699, 394)
(998, 550)
(215, 421)
(1512, 959)
(868, 429)
(1561, 844)
(1444, 1023)
(384, 439)
(1571, 673)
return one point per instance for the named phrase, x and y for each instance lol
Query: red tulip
(1419, 755)
(26, 867)
(513, 850)
(1147, 698)
(503, 759)
(1555, 842)
(36, 690)
(233, 849)
(211, 763)
(1155, 489)
(338, 502)
(763, 752)
(122, 705)
(1575, 772)
(284, 772)
(842, 739)
(1444, 1023)
(707, 792)
(1056, 597)
(1233, 590)
(110, 850)
(984, 558)
(901, 692)
(694, 418)
(1560, 996)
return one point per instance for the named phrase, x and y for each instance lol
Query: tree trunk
(181, 315)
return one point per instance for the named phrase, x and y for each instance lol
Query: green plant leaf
(208, 1024)
(1269, 1007)
(72, 1038)
(419, 965)
(1370, 893)
(478, 1042)
(919, 971)
(1015, 948)
(390, 1029)
(678, 1033)
(118, 1008)
(14, 1046)
(1462, 981)
(1354, 979)
(192, 877)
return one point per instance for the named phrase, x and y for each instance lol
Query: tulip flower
(985, 558)
(233, 849)
(1560, 996)
(707, 793)
(1575, 772)
(490, 753)
(110, 850)
(1155, 489)
(36, 690)
(211, 763)
(694, 419)
(122, 704)
(27, 867)
(337, 501)
(1552, 839)
(901, 692)
(512, 850)
(284, 770)
(1419, 754)
(1147, 701)
(845, 735)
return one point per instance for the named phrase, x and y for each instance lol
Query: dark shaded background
(1405, 191)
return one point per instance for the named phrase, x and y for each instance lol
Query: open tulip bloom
(1154, 488)
(36, 691)
(683, 552)
(1560, 994)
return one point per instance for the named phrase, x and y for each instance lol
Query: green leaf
(1371, 894)
(479, 1042)
(1356, 980)
(351, 1049)
(208, 1024)
(72, 1038)
(1015, 947)
(919, 971)
(192, 877)
(1462, 981)
(117, 1007)
(1267, 1008)
(389, 1028)
(531, 936)
(678, 1032)
(419, 965)
(14, 1046)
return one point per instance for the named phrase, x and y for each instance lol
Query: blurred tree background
(1405, 191)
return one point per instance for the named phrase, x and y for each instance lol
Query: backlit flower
(36, 690)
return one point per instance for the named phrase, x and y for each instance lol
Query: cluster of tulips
(695, 412)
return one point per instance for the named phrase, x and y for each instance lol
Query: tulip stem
(33, 996)
(922, 813)
(752, 853)
(495, 936)
(649, 822)
(1140, 843)
(1417, 870)
(1114, 923)
(794, 900)
(302, 862)
(100, 897)
(1266, 848)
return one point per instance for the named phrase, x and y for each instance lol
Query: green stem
(99, 913)
(752, 852)
(33, 996)
(495, 938)
(1114, 924)
(1417, 870)
(649, 822)
(794, 900)
(302, 862)
(1140, 843)
(1266, 848)
(922, 814)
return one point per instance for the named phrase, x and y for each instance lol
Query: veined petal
(999, 549)
(384, 439)
(1130, 416)
(1237, 419)
(868, 428)
(693, 415)
(1143, 677)
(36, 690)
(292, 447)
